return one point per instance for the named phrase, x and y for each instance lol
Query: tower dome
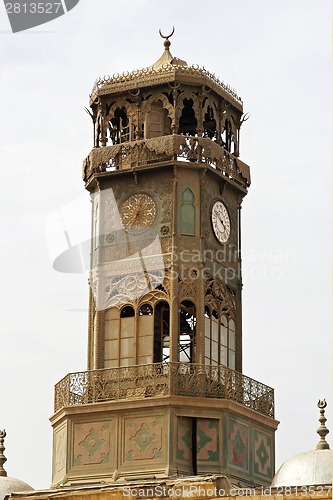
(311, 468)
(9, 485)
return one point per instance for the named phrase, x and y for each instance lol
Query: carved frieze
(188, 285)
(220, 296)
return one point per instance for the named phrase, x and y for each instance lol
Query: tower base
(166, 437)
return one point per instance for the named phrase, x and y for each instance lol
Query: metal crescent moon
(168, 36)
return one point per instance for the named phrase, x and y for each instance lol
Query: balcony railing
(168, 148)
(163, 379)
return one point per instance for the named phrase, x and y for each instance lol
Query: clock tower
(164, 395)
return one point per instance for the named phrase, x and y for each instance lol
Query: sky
(277, 55)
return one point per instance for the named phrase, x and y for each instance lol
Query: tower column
(174, 302)
(200, 318)
(174, 314)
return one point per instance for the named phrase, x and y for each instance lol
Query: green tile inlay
(143, 438)
(238, 445)
(92, 443)
(262, 454)
(202, 439)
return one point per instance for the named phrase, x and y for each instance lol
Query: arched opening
(187, 324)
(188, 122)
(157, 121)
(162, 332)
(146, 310)
(119, 130)
(187, 213)
(127, 312)
(209, 124)
(227, 135)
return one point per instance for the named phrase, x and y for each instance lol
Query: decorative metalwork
(150, 76)
(128, 287)
(221, 296)
(131, 155)
(164, 379)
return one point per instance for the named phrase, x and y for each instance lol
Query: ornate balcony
(169, 148)
(164, 379)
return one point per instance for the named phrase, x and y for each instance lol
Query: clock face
(221, 222)
(138, 213)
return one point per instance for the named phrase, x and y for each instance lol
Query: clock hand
(137, 210)
(219, 216)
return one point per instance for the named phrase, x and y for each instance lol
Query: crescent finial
(322, 429)
(167, 36)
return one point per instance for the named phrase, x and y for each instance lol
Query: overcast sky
(277, 55)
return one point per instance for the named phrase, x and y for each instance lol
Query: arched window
(232, 344)
(228, 342)
(161, 332)
(187, 324)
(214, 339)
(187, 213)
(127, 329)
(146, 310)
(208, 321)
(211, 337)
(146, 334)
(220, 339)
(111, 337)
(224, 341)
(127, 312)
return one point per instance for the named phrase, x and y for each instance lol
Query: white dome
(10, 485)
(310, 468)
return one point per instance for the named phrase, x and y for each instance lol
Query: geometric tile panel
(208, 440)
(262, 444)
(92, 443)
(184, 440)
(238, 444)
(143, 438)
